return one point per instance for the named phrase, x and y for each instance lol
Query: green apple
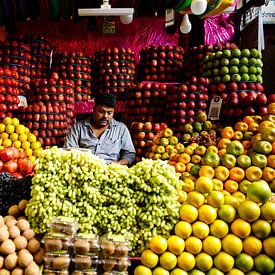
(216, 63)
(224, 70)
(186, 137)
(236, 77)
(245, 52)
(227, 53)
(234, 69)
(204, 66)
(260, 55)
(252, 61)
(259, 79)
(259, 160)
(217, 79)
(197, 126)
(253, 77)
(208, 73)
(259, 70)
(244, 161)
(215, 71)
(244, 69)
(209, 64)
(244, 60)
(254, 53)
(259, 62)
(235, 61)
(212, 56)
(228, 160)
(219, 54)
(226, 78)
(188, 128)
(252, 70)
(245, 77)
(236, 53)
(205, 59)
(224, 62)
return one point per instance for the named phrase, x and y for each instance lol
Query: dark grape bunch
(12, 190)
(205, 139)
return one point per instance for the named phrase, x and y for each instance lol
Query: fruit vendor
(102, 134)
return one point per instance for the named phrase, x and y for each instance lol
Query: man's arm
(72, 138)
(128, 152)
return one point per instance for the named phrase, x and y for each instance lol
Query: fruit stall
(200, 196)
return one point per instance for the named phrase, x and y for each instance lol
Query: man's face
(103, 115)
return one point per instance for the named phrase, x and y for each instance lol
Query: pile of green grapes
(137, 202)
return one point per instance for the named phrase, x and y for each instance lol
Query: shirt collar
(112, 124)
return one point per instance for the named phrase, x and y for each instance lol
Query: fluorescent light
(106, 12)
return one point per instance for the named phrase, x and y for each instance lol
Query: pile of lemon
(14, 134)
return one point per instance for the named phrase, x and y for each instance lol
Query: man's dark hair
(105, 99)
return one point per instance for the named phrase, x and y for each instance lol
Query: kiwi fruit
(38, 257)
(20, 242)
(28, 234)
(22, 205)
(32, 269)
(24, 258)
(81, 247)
(23, 225)
(4, 234)
(4, 272)
(109, 264)
(93, 245)
(121, 250)
(33, 246)
(7, 247)
(49, 272)
(61, 262)
(83, 262)
(2, 221)
(8, 218)
(63, 272)
(11, 261)
(11, 222)
(17, 271)
(53, 244)
(107, 273)
(1, 262)
(122, 264)
(77, 272)
(14, 211)
(108, 248)
(14, 232)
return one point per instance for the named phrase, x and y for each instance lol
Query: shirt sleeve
(128, 151)
(72, 138)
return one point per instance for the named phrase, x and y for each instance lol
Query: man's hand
(122, 162)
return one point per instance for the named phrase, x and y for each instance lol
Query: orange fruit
(186, 261)
(160, 271)
(227, 213)
(252, 246)
(142, 270)
(239, 195)
(219, 228)
(271, 108)
(232, 244)
(223, 142)
(183, 229)
(271, 160)
(223, 261)
(215, 198)
(268, 173)
(211, 245)
(240, 228)
(176, 244)
(158, 244)
(204, 184)
(261, 229)
(249, 211)
(264, 264)
(188, 185)
(248, 119)
(149, 258)
(200, 230)
(214, 271)
(221, 173)
(193, 245)
(184, 158)
(204, 261)
(168, 260)
(231, 200)
(195, 198)
(227, 132)
(180, 167)
(259, 191)
(188, 213)
(236, 174)
(244, 262)
(207, 171)
(241, 126)
(178, 271)
(269, 246)
(231, 186)
(268, 211)
(217, 185)
(235, 271)
(207, 214)
(253, 173)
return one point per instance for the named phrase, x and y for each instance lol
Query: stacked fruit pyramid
(227, 221)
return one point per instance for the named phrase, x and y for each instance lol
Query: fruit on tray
(20, 251)
(104, 198)
(234, 65)
(14, 134)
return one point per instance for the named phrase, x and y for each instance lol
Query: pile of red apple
(77, 67)
(114, 71)
(162, 63)
(54, 90)
(16, 55)
(47, 121)
(143, 135)
(147, 102)
(240, 98)
(40, 55)
(8, 92)
(14, 162)
(185, 100)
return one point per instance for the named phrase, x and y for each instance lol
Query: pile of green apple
(234, 65)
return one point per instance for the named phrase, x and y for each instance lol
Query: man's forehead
(105, 108)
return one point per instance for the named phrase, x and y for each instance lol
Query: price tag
(109, 27)
(215, 108)
(51, 59)
(22, 101)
